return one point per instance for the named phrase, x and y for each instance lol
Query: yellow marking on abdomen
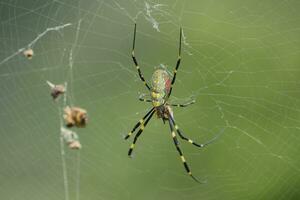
(156, 103)
(155, 95)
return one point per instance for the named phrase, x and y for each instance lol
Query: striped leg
(144, 99)
(141, 121)
(189, 140)
(183, 105)
(177, 65)
(180, 153)
(139, 133)
(135, 61)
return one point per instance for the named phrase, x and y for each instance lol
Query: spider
(160, 92)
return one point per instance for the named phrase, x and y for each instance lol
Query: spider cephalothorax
(164, 112)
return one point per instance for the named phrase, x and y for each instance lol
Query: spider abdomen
(161, 84)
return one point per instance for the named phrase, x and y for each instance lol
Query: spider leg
(145, 100)
(135, 61)
(183, 105)
(177, 65)
(189, 140)
(143, 125)
(176, 143)
(141, 121)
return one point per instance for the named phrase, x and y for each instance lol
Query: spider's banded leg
(181, 154)
(135, 61)
(183, 105)
(139, 133)
(177, 65)
(144, 99)
(141, 121)
(189, 140)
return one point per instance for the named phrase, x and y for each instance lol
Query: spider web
(240, 63)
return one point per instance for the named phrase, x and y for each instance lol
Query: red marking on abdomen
(168, 85)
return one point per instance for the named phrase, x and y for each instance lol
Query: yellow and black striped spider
(160, 91)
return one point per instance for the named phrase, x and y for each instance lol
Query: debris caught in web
(71, 138)
(56, 90)
(75, 116)
(28, 53)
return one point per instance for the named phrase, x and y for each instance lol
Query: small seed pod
(75, 116)
(28, 53)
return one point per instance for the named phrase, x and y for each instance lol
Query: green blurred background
(240, 62)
